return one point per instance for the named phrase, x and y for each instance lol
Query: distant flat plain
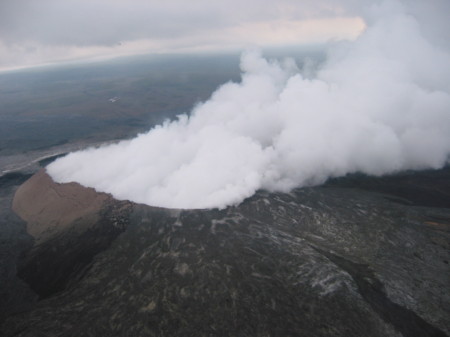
(61, 108)
(48, 107)
(51, 105)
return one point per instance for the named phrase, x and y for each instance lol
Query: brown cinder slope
(70, 225)
(50, 208)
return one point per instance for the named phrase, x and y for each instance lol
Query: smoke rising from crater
(380, 104)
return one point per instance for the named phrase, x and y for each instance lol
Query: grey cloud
(96, 22)
(102, 22)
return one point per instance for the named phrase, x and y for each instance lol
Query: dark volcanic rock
(15, 295)
(429, 188)
(324, 261)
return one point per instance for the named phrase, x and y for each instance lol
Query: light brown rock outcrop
(50, 208)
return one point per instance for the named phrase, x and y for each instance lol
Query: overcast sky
(45, 31)
(36, 32)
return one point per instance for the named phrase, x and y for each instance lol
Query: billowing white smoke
(380, 104)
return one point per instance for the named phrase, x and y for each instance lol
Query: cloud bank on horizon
(46, 31)
(378, 105)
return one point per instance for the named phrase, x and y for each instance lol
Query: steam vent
(359, 256)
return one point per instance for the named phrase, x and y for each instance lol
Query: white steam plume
(380, 104)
